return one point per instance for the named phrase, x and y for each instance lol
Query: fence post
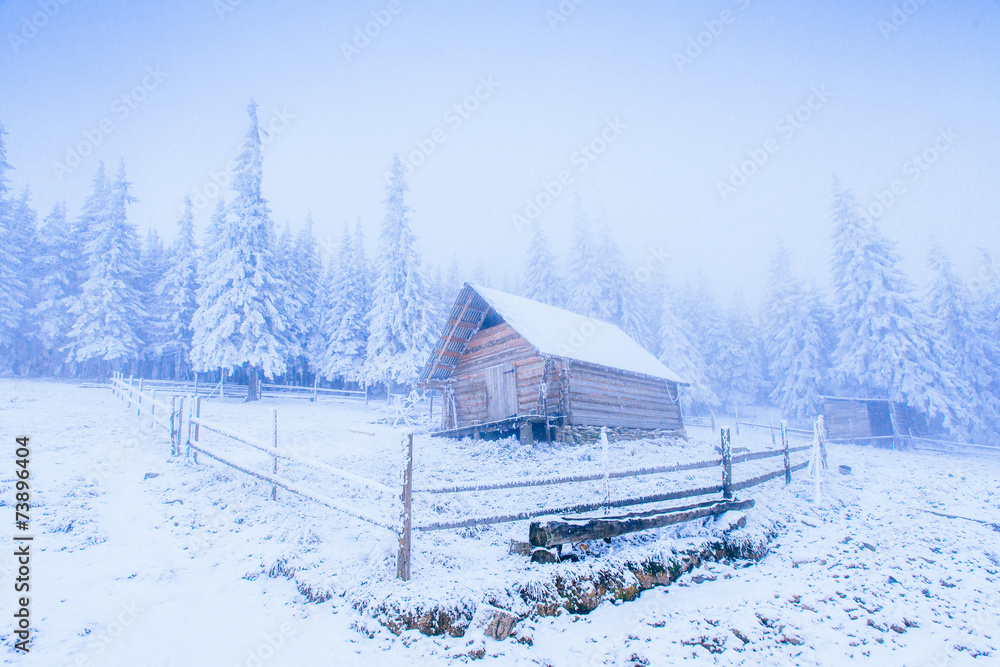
(366, 394)
(173, 423)
(607, 470)
(222, 386)
(152, 408)
(130, 391)
(274, 457)
(406, 532)
(197, 427)
(187, 450)
(821, 425)
(784, 446)
(195, 384)
(712, 412)
(814, 462)
(180, 423)
(737, 421)
(727, 464)
(315, 392)
(770, 425)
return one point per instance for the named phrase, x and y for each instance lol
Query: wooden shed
(508, 364)
(872, 421)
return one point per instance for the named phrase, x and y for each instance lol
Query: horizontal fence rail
(548, 481)
(195, 423)
(171, 416)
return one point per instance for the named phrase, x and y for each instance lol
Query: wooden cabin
(870, 421)
(507, 364)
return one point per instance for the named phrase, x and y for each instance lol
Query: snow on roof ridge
(562, 333)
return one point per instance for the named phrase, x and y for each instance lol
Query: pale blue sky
(657, 183)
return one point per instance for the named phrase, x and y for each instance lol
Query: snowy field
(146, 560)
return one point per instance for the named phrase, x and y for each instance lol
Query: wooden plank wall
(603, 397)
(838, 415)
(487, 348)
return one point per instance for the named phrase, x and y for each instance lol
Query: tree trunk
(253, 384)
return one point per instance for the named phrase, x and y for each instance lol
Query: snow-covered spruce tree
(240, 321)
(738, 365)
(795, 341)
(12, 289)
(306, 275)
(109, 313)
(986, 300)
(401, 333)
(24, 242)
(622, 303)
(153, 265)
(345, 327)
(542, 280)
(962, 345)
(883, 350)
(56, 253)
(178, 291)
(708, 329)
(679, 353)
(588, 286)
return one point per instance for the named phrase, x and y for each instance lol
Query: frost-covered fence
(225, 390)
(726, 487)
(190, 443)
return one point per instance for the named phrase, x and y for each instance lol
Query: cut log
(555, 531)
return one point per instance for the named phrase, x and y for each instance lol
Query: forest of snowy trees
(87, 296)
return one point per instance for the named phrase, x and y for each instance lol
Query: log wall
(488, 348)
(838, 417)
(604, 397)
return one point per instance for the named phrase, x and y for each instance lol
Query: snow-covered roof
(561, 333)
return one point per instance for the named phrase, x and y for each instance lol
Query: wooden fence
(727, 487)
(188, 443)
(186, 440)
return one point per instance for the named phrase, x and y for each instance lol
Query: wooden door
(501, 392)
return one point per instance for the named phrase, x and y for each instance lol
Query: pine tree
(622, 303)
(24, 243)
(796, 341)
(153, 265)
(109, 313)
(12, 289)
(587, 285)
(56, 253)
(345, 327)
(241, 321)
(961, 346)
(400, 330)
(178, 291)
(738, 366)
(883, 351)
(542, 280)
(680, 354)
(308, 274)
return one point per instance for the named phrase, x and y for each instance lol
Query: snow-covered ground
(146, 560)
